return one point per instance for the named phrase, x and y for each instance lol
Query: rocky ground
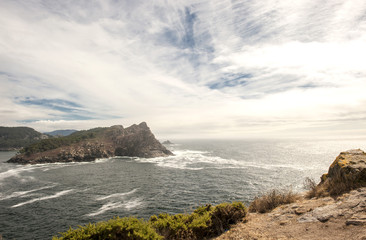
(322, 218)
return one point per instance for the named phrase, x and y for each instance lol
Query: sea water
(38, 201)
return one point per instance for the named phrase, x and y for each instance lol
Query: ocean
(38, 201)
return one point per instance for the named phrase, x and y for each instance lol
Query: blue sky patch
(182, 39)
(55, 104)
(237, 79)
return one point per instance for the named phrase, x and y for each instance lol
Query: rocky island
(81, 146)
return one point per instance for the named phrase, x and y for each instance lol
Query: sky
(190, 69)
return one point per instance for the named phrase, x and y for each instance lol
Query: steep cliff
(134, 141)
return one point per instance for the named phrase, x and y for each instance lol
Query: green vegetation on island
(53, 143)
(204, 223)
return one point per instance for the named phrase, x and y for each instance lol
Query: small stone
(307, 218)
(301, 210)
(283, 223)
(324, 218)
(357, 222)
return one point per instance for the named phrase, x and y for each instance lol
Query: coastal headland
(81, 146)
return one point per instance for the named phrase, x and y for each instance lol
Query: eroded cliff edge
(133, 141)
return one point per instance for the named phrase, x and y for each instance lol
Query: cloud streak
(208, 68)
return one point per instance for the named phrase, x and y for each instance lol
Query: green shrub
(117, 228)
(271, 200)
(205, 222)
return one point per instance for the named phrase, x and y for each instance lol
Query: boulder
(350, 164)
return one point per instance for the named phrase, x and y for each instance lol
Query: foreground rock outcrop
(348, 164)
(134, 141)
(318, 218)
(341, 216)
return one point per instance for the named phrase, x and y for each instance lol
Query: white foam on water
(25, 193)
(198, 160)
(19, 171)
(102, 160)
(59, 194)
(15, 172)
(118, 195)
(188, 159)
(131, 204)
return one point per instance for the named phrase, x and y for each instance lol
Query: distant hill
(81, 146)
(61, 132)
(14, 138)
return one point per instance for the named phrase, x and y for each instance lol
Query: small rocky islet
(85, 146)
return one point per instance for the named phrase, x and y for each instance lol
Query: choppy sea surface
(38, 201)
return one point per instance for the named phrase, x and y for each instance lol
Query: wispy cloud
(208, 68)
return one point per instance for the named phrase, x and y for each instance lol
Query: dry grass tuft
(334, 187)
(313, 189)
(271, 200)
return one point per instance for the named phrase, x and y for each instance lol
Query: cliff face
(134, 141)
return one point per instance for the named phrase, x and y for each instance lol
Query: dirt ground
(324, 218)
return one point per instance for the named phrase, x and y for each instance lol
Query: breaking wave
(25, 193)
(198, 160)
(59, 194)
(117, 195)
(128, 205)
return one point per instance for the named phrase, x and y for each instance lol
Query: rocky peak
(143, 125)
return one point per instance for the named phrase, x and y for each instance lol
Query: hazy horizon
(190, 69)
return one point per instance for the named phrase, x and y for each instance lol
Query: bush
(117, 228)
(271, 200)
(205, 222)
